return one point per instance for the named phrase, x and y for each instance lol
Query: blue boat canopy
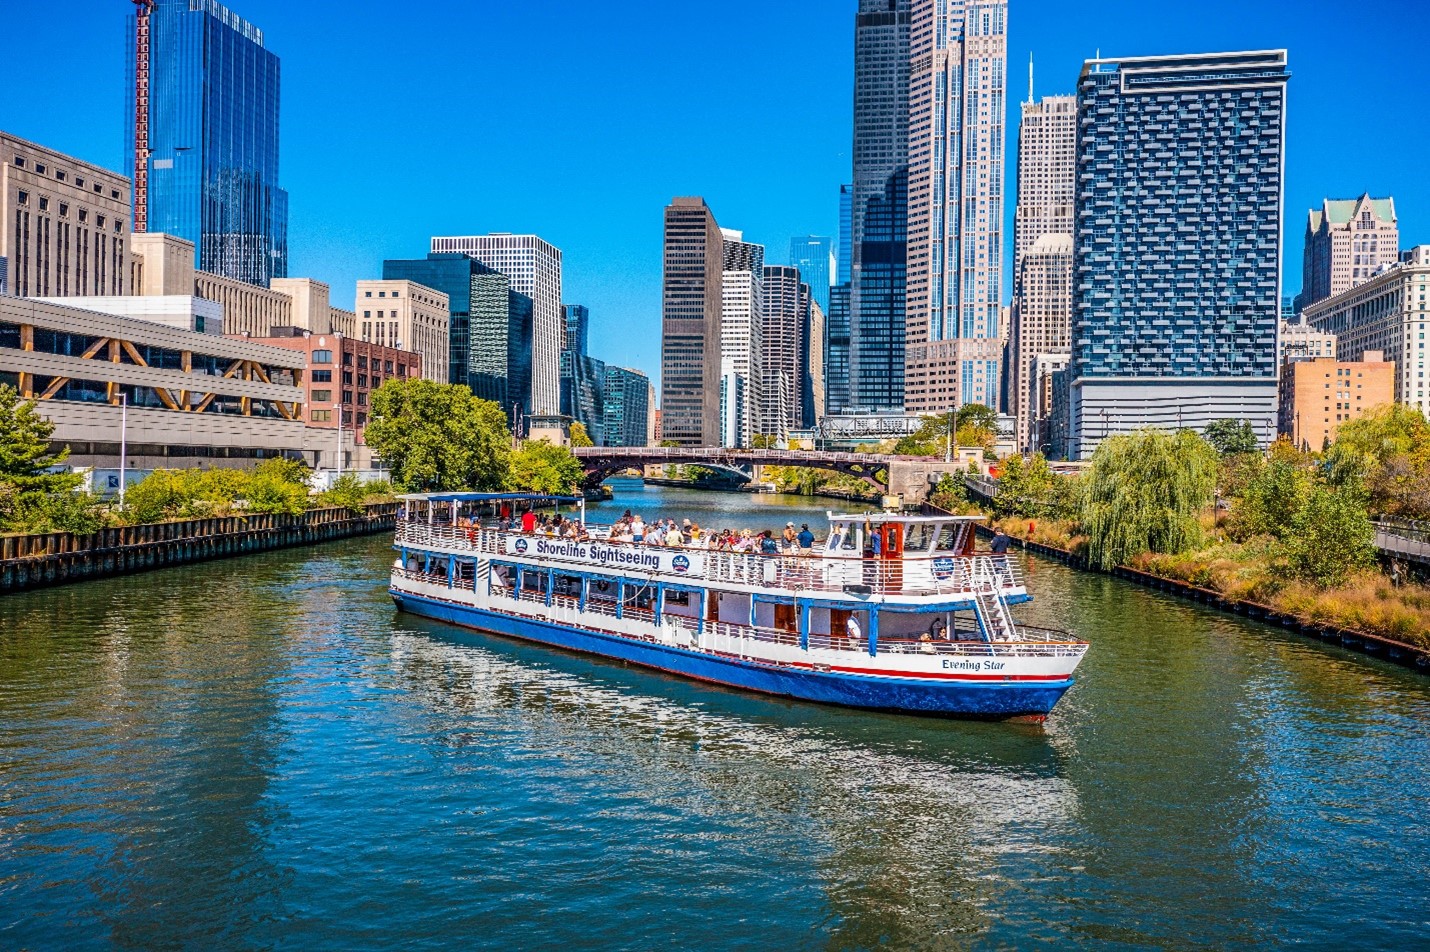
(485, 497)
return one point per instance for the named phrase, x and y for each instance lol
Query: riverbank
(1320, 622)
(56, 558)
(756, 489)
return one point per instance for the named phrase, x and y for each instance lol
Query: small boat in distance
(886, 612)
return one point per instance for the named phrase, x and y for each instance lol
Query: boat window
(920, 536)
(948, 537)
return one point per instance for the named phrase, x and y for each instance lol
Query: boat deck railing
(817, 571)
(730, 638)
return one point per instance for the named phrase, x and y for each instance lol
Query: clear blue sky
(578, 120)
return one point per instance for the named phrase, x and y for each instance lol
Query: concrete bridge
(907, 476)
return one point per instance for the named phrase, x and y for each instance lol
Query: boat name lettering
(972, 664)
(588, 552)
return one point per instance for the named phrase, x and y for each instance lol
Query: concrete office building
(163, 265)
(1047, 137)
(188, 399)
(630, 419)
(203, 95)
(1177, 244)
(1317, 395)
(741, 352)
(1041, 325)
(64, 224)
(879, 206)
(534, 267)
(784, 325)
(1347, 241)
(812, 364)
(691, 319)
(408, 316)
(1301, 341)
(1387, 313)
(957, 114)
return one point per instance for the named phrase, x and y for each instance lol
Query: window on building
(348, 359)
(19, 161)
(23, 197)
(347, 396)
(347, 378)
(64, 210)
(39, 169)
(362, 380)
(322, 376)
(367, 294)
(367, 313)
(79, 181)
(322, 396)
(60, 175)
(362, 398)
(387, 366)
(362, 419)
(44, 204)
(322, 357)
(321, 416)
(362, 363)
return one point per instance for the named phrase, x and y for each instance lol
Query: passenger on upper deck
(999, 545)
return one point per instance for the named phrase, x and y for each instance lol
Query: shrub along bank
(1286, 529)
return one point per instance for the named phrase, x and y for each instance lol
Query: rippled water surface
(260, 753)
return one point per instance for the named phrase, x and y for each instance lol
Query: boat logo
(520, 546)
(942, 568)
(680, 563)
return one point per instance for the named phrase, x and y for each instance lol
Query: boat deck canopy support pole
(804, 611)
(873, 631)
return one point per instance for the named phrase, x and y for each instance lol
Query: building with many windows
(957, 115)
(534, 268)
(64, 224)
(455, 275)
(879, 205)
(1347, 241)
(184, 398)
(1301, 341)
(784, 327)
(1177, 243)
(741, 353)
(836, 351)
(500, 365)
(203, 94)
(813, 255)
(583, 377)
(408, 316)
(630, 418)
(1388, 313)
(1317, 395)
(692, 310)
(1041, 325)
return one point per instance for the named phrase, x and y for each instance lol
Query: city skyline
(472, 185)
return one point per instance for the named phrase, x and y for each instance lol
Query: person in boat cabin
(853, 631)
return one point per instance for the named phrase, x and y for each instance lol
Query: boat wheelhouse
(887, 611)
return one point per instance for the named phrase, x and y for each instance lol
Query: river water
(260, 753)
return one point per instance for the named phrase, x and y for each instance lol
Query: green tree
(1271, 499)
(1387, 451)
(1231, 437)
(437, 436)
(977, 416)
(278, 485)
(1144, 492)
(1330, 536)
(760, 441)
(542, 467)
(25, 455)
(579, 436)
(1031, 488)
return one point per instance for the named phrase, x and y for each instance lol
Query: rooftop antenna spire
(1030, 77)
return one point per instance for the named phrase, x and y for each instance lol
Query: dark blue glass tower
(455, 275)
(583, 377)
(627, 407)
(203, 103)
(1177, 243)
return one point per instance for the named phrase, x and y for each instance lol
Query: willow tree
(1143, 494)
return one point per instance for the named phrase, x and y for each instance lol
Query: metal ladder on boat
(992, 610)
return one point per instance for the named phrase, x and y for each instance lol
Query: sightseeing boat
(887, 612)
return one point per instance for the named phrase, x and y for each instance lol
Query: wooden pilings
(56, 558)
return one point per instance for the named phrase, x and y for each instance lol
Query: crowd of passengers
(667, 532)
(632, 528)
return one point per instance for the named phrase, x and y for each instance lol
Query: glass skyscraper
(583, 377)
(203, 109)
(1177, 243)
(846, 234)
(813, 255)
(879, 213)
(455, 275)
(628, 408)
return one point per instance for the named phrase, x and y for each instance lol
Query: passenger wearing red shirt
(528, 521)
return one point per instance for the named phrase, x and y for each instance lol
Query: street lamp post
(123, 440)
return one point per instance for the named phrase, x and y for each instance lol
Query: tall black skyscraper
(879, 220)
